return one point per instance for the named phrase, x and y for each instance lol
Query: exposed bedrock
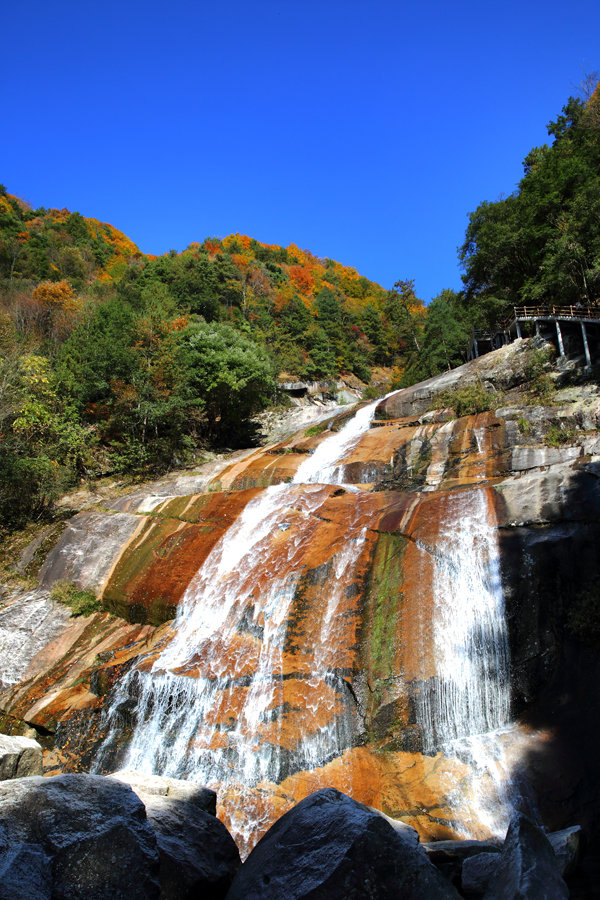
(356, 654)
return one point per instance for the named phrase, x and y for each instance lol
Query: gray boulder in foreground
(329, 847)
(19, 757)
(567, 848)
(478, 870)
(146, 786)
(527, 868)
(198, 856)
(75, 837)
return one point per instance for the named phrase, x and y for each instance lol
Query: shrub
(466, 400)
(558, 434)
(319, 428)
(81, 602)
(541, 385)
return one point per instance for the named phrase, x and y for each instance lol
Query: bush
(80, 602)
(319, 428)
(467, 400)
(541, 385)
(558, 434)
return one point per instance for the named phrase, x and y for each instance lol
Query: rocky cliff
(325, 664)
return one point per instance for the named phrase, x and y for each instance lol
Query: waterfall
(464, 708)
(321, 466)
(211, 706)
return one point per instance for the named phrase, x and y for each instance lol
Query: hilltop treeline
(540, 244)
(117, 362)
(112, 361)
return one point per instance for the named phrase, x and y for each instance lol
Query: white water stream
(463, 710)
(210, 664)
(214, 663)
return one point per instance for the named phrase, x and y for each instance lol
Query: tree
(543, 242)
(42, 444)
(405, 313)
(446, 333)
(230, 374)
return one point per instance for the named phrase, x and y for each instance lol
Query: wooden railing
(551, 311)
(500, 333)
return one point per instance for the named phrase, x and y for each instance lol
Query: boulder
(446, 851)
(19, 756)
(328, 847)
(198, 856)
(451, 857)
(405, 831)
(477, 872)
(173, 788)
(75, 837)
(527, 867)
(567, 848)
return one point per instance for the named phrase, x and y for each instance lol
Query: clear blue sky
(365, 132)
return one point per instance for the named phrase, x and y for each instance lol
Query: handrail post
(561, 346)
(586, 347)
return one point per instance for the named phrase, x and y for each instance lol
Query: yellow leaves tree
(56, 306)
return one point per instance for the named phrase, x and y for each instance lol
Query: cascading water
(224, 661)
(212, 706)
(463, 709)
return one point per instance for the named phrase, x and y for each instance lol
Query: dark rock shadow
(551, 580)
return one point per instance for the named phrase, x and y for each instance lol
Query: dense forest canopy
(113, 361)
(542, 243)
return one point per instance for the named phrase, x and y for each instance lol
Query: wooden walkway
(510, 328)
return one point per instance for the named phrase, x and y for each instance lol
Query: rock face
(28, 623)
(80, 837)
(19, 757)
(329, 846)
(353, 564)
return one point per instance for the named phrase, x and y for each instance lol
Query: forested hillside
(117, 362)
(113, 361)
(540, 244)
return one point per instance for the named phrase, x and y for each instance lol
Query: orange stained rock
(460, 451)
(157, 565)
(414, 788)
(225, 479)
(57, 682)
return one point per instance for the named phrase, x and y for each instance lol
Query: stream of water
(244, 590)
(465, 708)
(211, 707)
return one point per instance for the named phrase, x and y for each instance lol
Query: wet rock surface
(402, 479)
